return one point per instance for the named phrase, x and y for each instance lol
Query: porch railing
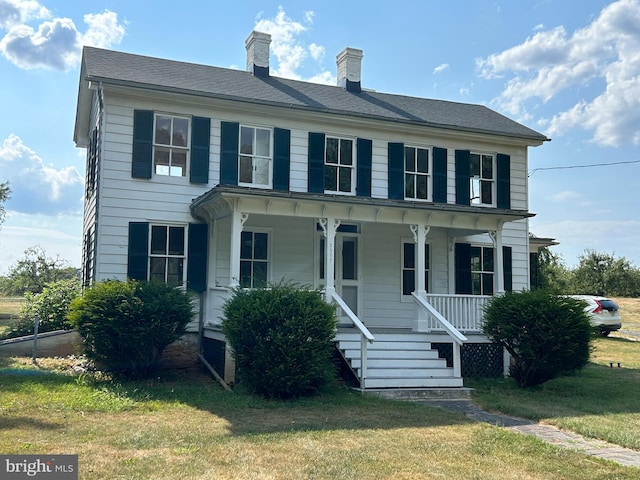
(366, 336)
(457, 337)
(464, 312)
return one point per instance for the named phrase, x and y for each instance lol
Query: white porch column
(237, 222)
(420, 237)
(329, 228)
(498, 281)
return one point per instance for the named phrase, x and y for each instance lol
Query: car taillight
(598, 308)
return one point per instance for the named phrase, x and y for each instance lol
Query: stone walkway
(548, 433)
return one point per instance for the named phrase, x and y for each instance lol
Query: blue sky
(568, 69)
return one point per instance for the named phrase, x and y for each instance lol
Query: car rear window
(609, 305)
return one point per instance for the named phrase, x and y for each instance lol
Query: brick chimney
(349, 68)
(257, 45)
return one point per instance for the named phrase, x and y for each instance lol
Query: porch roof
(223, 200)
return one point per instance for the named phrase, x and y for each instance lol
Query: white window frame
(339, 165)
(269, 234)
(254, 156)
(167, 255)
(169, 146)
(481, 272)
(416, 174)
(403, 241)
(477, 182)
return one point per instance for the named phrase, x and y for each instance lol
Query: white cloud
(36, 187)
(56, 43)
(571, 197)
(290, 53)
(553, 61)
(441, 68)
(15, 12)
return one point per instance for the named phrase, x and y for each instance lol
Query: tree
(34, 271)
(553, 275)
(4, 196)
(603, 274)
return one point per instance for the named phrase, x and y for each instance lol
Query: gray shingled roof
(120, 68)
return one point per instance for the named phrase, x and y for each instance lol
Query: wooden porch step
(440, 382)
(400, 363)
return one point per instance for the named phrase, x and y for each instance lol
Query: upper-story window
(339, 174)
(417, 176)
(171, 145)
(254, 152)
(482, 178)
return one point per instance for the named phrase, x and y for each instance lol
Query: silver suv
(604, 313)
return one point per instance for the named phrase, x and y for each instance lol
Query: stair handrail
(364, 331)
(453, 332)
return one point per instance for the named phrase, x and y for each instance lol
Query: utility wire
(582, 166)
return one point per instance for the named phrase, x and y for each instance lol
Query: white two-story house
(408, 213)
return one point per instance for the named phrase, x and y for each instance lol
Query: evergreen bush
(125, 326)
(547, 335)
(282, 337)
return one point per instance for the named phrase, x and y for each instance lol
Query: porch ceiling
(221, 201)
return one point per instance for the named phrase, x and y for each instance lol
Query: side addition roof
(117, 68)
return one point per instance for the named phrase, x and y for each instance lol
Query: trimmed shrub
(125, 326)
(51, 307)
(547, 335)
(282, 337)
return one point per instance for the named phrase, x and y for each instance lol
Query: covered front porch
(373, 248)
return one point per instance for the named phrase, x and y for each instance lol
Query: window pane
(331, 154)
(409, 185)
(427, 257)
(487, 284)
(421, 186)
(260, 246)
(262, 142)
(245, 175)
(408, 282)
(262, 171)
(487, 192)
(487, 259)
(330, 180)
(475, 259)
(157, 268)
(163, 130)
(259, 274)
(345, 179)
(161, 160)
(423, 160)
(178, 163)
(487, 166)
(350, 296)
(474, 169)
(246, 140)
(176, 241)
(476, 283)
(409, 255)
(410, 159)
(174, 271)
(246, 245)
(346, 150)
(322, 247)
(349, 259)
(158, 240)
(475, 190)
(245, 274)
(180, 131)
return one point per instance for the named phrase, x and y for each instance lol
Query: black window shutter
(533, 271)
(200, 140)
(229, 133)
(316, 163)
(396, 170)
(463, 172)
(281, 158)
(503, 175)
(197, 257)
(463, 268)
(439, 175)
(507, 265)
(142, 158)
(138, 252)
(365, 152)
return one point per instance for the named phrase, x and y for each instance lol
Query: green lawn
(173, 427)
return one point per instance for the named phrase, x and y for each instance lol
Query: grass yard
(600, 402)
(9, 309)
(190, 428)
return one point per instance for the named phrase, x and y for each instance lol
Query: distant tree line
(596, 274)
